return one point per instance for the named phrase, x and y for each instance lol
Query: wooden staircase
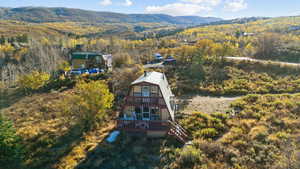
(179, 132)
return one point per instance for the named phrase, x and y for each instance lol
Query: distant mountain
(42, 14)
(236, 21)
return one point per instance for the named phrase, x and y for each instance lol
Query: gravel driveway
(206, 104)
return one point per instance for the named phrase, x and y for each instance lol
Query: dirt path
(206, 104)
(264, 61)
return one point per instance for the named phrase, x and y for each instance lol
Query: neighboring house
(150, 107)
(108, 60)
(87, 60)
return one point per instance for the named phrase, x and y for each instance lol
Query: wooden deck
(142, 125)
(172, 128)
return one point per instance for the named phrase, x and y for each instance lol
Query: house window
(145, 109)
(137, 110)
(128, 113)
(154, 91)
(146, 113)
(155, 114)
(138, 113)
(137, 91)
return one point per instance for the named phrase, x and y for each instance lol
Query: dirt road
(263, 61)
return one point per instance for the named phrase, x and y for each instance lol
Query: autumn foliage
(33, 81)
(90, 103)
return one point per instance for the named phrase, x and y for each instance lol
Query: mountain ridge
(61, 14)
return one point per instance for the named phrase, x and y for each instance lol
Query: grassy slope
(13, 28)
(9, 28)
(264, 132)
(236, 78)
(51, 139)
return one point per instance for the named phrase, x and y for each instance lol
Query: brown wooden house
(149, 107)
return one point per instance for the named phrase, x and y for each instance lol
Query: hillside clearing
(52, 139)
(206, 104)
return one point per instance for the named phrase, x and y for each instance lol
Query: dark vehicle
(95, 71)
(79, 71)
(75, 72)
(158, 56)
(169, 61)
(157, 59)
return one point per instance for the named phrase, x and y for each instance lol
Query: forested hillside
(40, 14)
(52, 121)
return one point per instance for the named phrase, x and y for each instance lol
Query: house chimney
(145, 73)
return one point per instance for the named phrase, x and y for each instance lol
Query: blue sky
(218, 8)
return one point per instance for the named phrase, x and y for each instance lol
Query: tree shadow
(9, 96)
(128, 151)
(47, 149)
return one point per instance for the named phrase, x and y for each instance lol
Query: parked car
(75, 72)
(85, 71)
(95, 71)
(79, 71)
(158, 56)
(169, 61)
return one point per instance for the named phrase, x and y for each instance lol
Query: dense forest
(49, 120)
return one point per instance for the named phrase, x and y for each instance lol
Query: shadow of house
(9, 97)
(127, 151)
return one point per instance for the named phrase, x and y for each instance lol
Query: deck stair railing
(178, 131)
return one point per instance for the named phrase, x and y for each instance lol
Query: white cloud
(206, 2)
(105, 2)
(235, 5)
(128, 3)
(178, 9)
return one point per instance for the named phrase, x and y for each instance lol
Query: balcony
(142, 125)
(138, 100)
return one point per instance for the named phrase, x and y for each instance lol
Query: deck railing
(145, 100)
(143, 125)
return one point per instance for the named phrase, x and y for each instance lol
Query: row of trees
(20, 39)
